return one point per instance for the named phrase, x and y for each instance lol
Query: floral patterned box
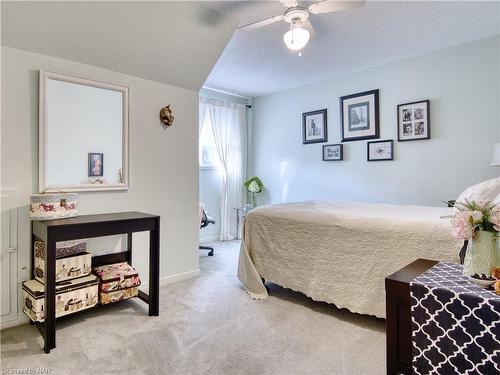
(63, 249)
(71, 296)
(66, 268)
(118, 281)
(53, 206)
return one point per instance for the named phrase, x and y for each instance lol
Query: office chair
(205, 221)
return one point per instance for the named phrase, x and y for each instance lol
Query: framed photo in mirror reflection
(96, 164)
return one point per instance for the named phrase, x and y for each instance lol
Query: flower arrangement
(254, 186)
(474, 216)
(479, 223)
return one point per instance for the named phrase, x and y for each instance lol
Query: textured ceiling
(177, 43)
(256, 62)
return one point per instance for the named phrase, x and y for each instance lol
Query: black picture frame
(91, 172)
(341, 148)
(324, 127)
(390, 141)
(412, 122)
(372, 124)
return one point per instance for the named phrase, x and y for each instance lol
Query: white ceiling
(256, 62)
(177, 43)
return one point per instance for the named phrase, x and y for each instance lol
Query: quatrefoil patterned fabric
(455, 324)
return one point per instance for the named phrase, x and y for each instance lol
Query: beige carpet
(207, 325)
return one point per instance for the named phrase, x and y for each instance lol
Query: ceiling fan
(297, 16)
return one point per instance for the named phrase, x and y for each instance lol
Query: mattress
(340, 253)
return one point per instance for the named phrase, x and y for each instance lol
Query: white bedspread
(340, 252)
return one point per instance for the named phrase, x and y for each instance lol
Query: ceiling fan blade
(289, 3)
(322, 7)
(310, 28)
(261, 23)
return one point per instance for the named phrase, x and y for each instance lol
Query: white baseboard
(167, 280)
(21, 319)
(207, 240)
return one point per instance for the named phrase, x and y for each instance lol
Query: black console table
(88, 226)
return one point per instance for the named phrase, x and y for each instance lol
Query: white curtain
(228, 124)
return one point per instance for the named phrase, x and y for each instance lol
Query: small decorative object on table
(48, 206)
(479, 223)
(96, 164)
(254, 186)
(118, 281)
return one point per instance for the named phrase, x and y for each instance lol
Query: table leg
(154, 270)
(50, 296)
(129, 248)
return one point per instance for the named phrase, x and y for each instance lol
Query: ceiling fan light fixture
(296, 38)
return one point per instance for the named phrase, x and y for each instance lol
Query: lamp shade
(296, 38)
(495, 158)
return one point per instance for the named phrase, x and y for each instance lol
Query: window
(208, 150)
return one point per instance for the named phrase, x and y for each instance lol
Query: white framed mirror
(83, 134)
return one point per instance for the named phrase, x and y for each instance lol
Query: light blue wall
(463, 84)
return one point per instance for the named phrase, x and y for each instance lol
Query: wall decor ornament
(314, 127)
(333, 152)
(166, 116)
(414, 121)
(359, 116)
(380, 150)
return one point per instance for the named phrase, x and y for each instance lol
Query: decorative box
(118, 281)
(63, 249)
(71, 296)
(53, 206)
(66, 268)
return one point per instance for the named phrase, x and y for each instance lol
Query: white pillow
(488, 190)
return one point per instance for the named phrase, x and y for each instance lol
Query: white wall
(163, 162)
(463, 85)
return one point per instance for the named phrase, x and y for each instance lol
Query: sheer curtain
(227, 121)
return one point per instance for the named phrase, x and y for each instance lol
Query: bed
(340, 253)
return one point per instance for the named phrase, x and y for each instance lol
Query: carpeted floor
(207, 325)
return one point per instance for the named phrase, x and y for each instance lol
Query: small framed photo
(314, 127)
(414, 121)
(96, 164)
(380, 150)
(333, 152)
(359, 116)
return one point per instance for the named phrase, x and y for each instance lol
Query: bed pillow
(488, 190)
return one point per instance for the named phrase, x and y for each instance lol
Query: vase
(483, 253)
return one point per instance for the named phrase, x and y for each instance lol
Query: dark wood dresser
(398, 317)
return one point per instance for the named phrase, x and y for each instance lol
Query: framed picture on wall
(380, 150)
(333, 152)
(314, 127)
(96, 164)
(414, 121)
(359, 116)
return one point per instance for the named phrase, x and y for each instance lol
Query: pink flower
(462, 226)
(495, 218)
(476, 216)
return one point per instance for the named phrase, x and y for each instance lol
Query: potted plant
(479, 223)
(254, 186)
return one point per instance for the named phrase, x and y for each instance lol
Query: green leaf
(254, 185)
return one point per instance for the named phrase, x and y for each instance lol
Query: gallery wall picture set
(359, 119)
